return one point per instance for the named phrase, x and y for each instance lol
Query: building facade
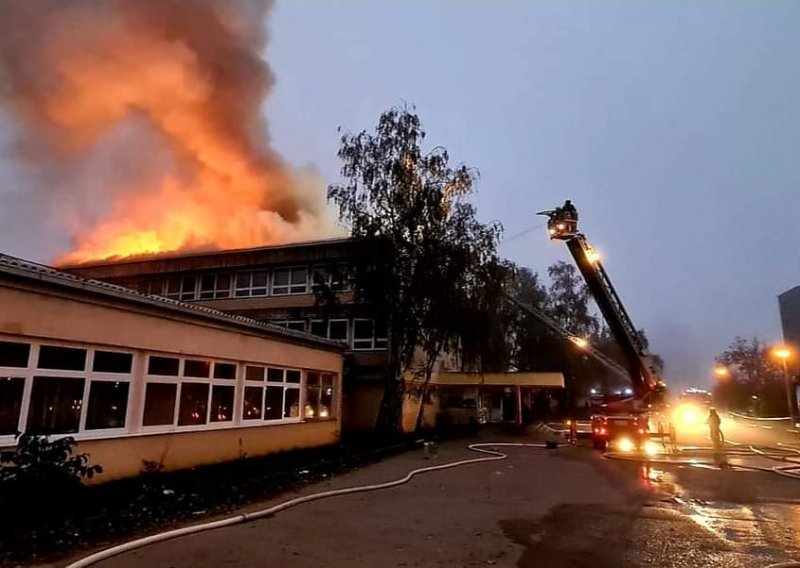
(148, 383)
(282, 285)
(789, 304)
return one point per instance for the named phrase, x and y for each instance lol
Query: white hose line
(757, 419)
(494, 455)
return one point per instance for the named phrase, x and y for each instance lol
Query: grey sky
(673, 126)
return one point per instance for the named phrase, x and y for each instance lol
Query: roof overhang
(541, 380)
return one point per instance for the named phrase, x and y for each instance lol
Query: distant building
(789, 303)
(149, 383)
(277, 284)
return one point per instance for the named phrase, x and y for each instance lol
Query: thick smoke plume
(142, 120)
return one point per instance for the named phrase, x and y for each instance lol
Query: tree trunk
(391, 409)
(421, 410)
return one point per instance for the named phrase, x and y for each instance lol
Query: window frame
(375, 343)
(289, 286)
(319, 384)
(138, 379)
(88, 375)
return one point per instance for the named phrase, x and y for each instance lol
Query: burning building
(141, 125)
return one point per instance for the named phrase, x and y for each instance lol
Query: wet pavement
(565, 507)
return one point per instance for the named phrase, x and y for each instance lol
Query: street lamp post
(784, 354)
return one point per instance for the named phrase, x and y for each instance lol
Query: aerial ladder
(580, 342)
(647, 386)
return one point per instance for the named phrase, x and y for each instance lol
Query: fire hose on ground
(484, 448)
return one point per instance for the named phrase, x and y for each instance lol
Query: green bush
(43, 477)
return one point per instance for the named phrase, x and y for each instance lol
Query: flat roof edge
(197, 254)
(41, 273)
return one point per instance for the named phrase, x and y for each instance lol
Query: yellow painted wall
(69, 317)
(123, 457)
(44, 315)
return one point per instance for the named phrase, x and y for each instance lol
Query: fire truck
(626, 423)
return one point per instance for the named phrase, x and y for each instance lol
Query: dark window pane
(14, 354)
(281, 277)
(187, 287)
(55, 406)
(108, 403)
(10, 404)
(299, 276)
(273, 405)
(194, 368)
(252, 403)
(159, 404)
(194, 404)
(63, 358)
(110, 362)
(223, 285)
(318, 327)
(224, 371)
(362, 334)
(207, 286)
(163, 366)
(254, 373)
(362, 329)
(292, 405)
(157, 287)
(338, 330)
(260, 279)
(296, 325)
(173, 287)
(243, 279)
(275, 375)
(222, 403)
(293, 377)
(311, 409)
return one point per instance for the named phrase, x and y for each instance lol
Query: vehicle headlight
(625, 445)
(650, 448)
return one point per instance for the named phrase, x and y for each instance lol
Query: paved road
(568, 507)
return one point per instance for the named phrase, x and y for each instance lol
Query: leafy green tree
(755, 381)
(437, 264)
(569, 300)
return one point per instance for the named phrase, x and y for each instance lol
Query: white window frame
(138, 379)
(212, 292)
(373, 341)
(249, 291)
(224, 293)
(349, 335)
(290, 287)
(333, 409)
(88, 376)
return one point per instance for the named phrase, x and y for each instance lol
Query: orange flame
(193, 75)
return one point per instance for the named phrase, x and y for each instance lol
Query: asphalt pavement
(564, 507)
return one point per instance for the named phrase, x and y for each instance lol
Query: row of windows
(359, 334)
(50, 389)
(56, 357)
(246, 284)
